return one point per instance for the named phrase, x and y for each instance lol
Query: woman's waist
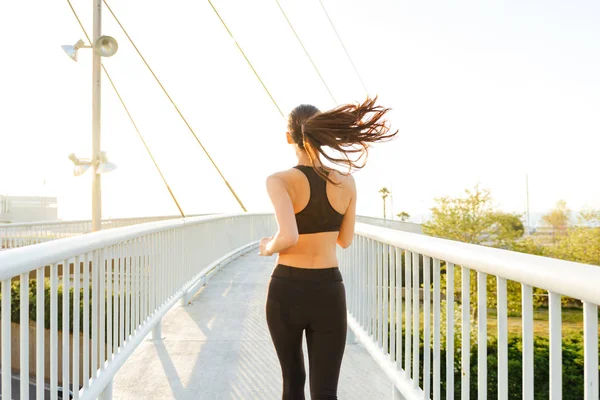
(330, 274)
(308, 260)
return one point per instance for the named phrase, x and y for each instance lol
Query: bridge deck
(219, 348)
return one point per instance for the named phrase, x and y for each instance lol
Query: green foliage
(473, 219)
(558, 218)
(580, 243)
(572, 367)
(404, 216)
(16, 304)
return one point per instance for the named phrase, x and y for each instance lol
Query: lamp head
(71, 50)
(106, 46)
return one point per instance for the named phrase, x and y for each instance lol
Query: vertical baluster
(590, 350)
(372, 294)
(111, 309)
(527, 304)
(96, 271)
(466, 333)
(482, 335)
(356, 271)
(426, 327)
(436, 329)
(359, 280)
(416, 318)
(449, 331)
(53, 333)
(399, 294)
(6, 339)
(40, 330)
(154, 263)
(502, 340)
(76, 305)
(367, 283)
(555, 321)
(380, 315)
(144, 281)
(24, 333)
(355, 277)
(138, 277)
(66, 278)
(364, 286)
(393, 295)
(86, 321)
(121, 296)
(160, 270)
(136, 273)
(128, 289)
(352, 276)
(408, 312)
(386, 296)
(103, 312)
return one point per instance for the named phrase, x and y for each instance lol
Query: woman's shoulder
(282, 178)
(344, 180)
(284, 174)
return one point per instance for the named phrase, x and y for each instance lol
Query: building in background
(14, 209)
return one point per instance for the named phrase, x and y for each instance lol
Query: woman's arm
(287, 233)
(347, 228)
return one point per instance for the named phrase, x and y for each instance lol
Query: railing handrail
(559, 276)
(84, 221)
(123, 280)
(17, 261)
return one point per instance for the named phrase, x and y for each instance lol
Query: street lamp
(103, 46)
(81, 165)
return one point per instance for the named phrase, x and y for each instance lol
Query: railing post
(185, 299)
(396, 395)
(157, 331)
(107, 392)
(350, 336)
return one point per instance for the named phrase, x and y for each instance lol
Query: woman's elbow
(290, 240)
(344, 243)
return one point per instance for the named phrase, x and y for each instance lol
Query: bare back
(318, 250)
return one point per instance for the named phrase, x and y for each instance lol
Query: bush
(16, 304)
(572, 367)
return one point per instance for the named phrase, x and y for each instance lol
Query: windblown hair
(347, 130)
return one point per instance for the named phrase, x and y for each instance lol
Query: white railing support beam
(396, 395)
(350, 336)
(107, 393)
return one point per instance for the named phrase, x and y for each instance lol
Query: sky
(481, 92)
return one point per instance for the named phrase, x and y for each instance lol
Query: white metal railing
(25, 234)
(132, 276)
(395, 293)
(405, 226)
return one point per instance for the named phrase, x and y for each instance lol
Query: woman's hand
(262, 249)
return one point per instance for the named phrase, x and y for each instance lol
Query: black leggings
(311, 300)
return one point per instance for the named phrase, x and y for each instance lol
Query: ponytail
(348, 130)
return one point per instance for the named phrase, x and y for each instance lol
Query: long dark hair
(346, 129)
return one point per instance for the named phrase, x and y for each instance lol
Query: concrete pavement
(219, 348)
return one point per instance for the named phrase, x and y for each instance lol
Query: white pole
(96, 104)
(527, 191)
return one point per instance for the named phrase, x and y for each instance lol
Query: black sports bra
(318, 215)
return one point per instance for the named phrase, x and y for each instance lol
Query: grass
(572, 322)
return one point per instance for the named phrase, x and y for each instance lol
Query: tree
(580, 243)
(404, 216)
(558, 218)
(384, 195)
(472, 219)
